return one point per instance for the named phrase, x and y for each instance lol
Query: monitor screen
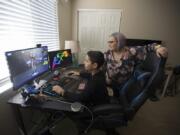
(60, 58)
(24, 65)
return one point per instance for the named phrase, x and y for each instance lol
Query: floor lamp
(74, 46)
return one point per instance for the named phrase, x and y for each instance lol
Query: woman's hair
(96, 57)
(120, 38)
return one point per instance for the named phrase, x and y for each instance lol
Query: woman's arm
(140, 51)
(161, 51)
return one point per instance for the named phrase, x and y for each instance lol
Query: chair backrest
(137, 90)
(133, 94)
(155, 65)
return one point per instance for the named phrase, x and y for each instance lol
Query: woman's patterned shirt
(121, 70)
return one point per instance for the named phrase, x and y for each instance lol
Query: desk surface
(57, 105)
(54, 104)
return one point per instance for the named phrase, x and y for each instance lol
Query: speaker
(38, 45)
(176, 70)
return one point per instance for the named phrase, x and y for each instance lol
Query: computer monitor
(60, 58)
(27, 64)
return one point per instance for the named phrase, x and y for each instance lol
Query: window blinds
(25, 23)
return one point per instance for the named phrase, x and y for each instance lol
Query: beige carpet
(156, 118)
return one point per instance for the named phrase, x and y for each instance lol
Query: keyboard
(69, 84)
(47, 90)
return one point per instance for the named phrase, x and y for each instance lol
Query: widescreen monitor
(27, 64)
(60, 59)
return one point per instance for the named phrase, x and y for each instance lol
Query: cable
(91, 114)
(92, 119)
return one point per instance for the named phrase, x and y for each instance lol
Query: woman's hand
(108, 81)
(162, 52)
(58, 89)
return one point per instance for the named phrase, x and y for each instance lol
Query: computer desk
(17, 102)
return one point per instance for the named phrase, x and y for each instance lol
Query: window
(25, 23)
(93, 35)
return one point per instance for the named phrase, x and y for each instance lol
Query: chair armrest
(144, 75)
(107, 109)
(141, 74)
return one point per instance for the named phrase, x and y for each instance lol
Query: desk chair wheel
(47, 132)
(154, 98)
(111, 131)
(81, 132)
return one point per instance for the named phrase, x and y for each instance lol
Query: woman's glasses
(110, 42)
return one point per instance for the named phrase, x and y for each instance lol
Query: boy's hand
(74, 73)
(108, 81)
(110, 91)
(58, 89)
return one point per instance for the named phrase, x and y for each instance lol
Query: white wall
(65, 21)
(142, 19)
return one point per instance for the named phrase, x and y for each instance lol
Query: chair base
(111, 131)
(154, 98)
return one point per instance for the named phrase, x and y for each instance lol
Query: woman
(121, 60)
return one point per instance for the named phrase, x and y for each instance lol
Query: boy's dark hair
(96, 57)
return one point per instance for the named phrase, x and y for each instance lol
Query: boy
(95, 91)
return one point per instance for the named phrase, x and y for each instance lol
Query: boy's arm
(79, 97)
(82, 97)
(82, 73)
(85, 74)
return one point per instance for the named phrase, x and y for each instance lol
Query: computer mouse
(70, 73)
